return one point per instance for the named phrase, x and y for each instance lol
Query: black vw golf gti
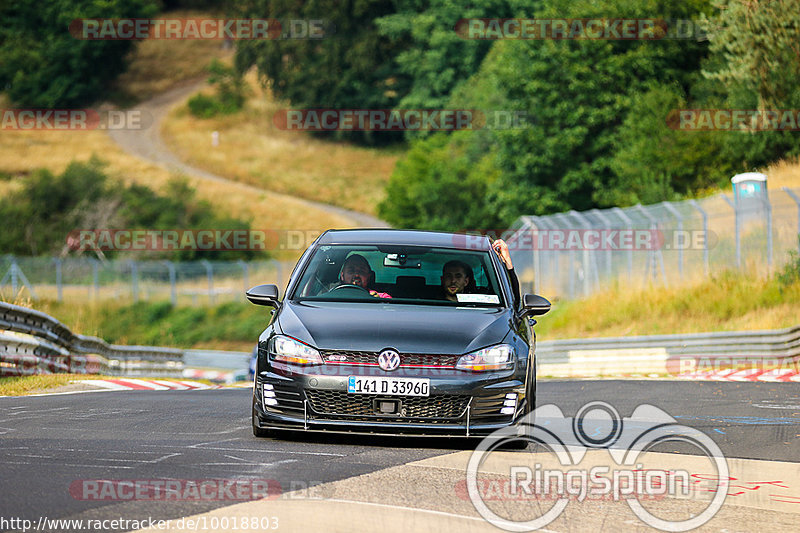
(391, 331)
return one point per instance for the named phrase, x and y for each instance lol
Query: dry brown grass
(157, 65)
(252, 150)
(785, 173)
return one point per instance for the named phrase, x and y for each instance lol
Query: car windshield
(393, 274)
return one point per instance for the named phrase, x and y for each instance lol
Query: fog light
(510, 403)
(270, 401)
(269, 394)
(507, 411)
(511, 396)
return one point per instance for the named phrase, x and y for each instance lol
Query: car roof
(438, 239)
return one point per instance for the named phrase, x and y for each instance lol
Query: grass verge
(22, 385)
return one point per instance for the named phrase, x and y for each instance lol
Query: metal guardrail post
(794, 197)
(703, 213)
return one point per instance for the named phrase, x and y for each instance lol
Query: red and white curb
(752, 374)
(147, 384)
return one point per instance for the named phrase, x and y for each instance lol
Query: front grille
(406, 359)
(343, 404)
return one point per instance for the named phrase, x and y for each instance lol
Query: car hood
(371, 327)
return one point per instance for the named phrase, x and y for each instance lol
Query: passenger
(356, 271)
(501, 248)
(457, 278)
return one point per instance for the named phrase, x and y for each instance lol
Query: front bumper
(460, 404)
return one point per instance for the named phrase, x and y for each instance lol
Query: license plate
(389, 386)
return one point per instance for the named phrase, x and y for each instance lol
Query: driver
(456, 278)
(356, 271)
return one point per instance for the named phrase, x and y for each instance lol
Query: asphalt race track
(52, 444)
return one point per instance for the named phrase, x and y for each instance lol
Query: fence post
(768, 206)
(278, 272)
(587, 267)
(794, 197)
(173, 291)
(210, 277)
(96, 277)
(59, 288)
(669, 207)
(736, 225)
(703, 213)
(604, 219)
(245, 274)
(134, 281)
(655, 252)
(627, 220)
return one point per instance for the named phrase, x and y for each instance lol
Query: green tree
(50, 206)
(43, 65)
(755, 59)
(351, 67)
(441, 185)
(437, 61)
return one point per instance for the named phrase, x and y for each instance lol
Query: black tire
(516, 444)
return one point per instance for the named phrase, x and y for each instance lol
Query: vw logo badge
(389, 360)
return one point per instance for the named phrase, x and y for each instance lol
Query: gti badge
(389, 360)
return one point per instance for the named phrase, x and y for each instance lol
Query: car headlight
(499, 357)
(287, 350)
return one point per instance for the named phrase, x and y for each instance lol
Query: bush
(230, 96)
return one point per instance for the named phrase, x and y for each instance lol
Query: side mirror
(535, 305)
(263, 295)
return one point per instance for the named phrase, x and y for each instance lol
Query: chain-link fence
(194, 282)
(577, 253)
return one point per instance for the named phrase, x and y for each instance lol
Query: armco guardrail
(670, 354)
(32, 342)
